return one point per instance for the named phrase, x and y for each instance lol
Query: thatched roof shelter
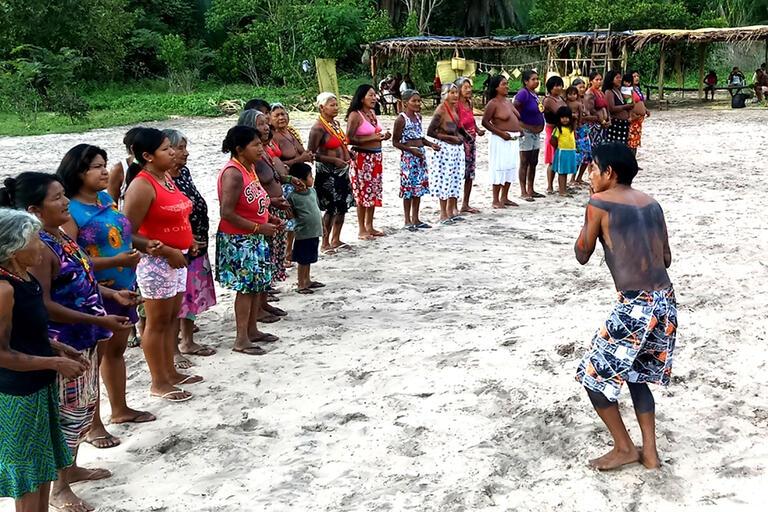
(407, 47)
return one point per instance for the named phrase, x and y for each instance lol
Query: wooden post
(678, 70)
(702, 56)
(549, 60)
(661, 72)
(373, 68)
(624, 57)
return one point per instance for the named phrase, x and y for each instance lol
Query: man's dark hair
(257, 104)
(619, 157)
(300, 170)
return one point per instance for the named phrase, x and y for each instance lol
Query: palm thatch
(407, 46)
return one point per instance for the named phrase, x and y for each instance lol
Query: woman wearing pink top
(242, 253)
(365, 135)
(467, 121)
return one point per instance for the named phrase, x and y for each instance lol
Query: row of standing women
(73, 247)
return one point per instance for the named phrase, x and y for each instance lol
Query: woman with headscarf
(447, 165)
(365, 169)
(618, 130)
(329, 144)
(467, 121)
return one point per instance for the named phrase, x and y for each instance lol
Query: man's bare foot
(78, 474)
(498, 205)
(649, 458)
(67, 501)
(615, 459)
(100, 438)
(132, 416)
(507, 202)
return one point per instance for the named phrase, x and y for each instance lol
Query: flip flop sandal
(540, 195)
(329, 252)
(316, 284)
(305, 291)
(265, 338)
(529, 199)
(168, 395)
(345, 245)
(447, 222)
(188, 378)
(137, 418)
(269, 319)
(203, 351)
(108, 437)
(423, 225)
(250, 351)
(458, 217)
(134, 341)
(273, 298)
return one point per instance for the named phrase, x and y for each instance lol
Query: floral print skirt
(242, 262)
(201, 293)
(365, 171)
(414, 181)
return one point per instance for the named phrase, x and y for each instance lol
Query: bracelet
(287, 180)
(256, 228)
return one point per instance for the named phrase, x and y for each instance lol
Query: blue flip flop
(423, 225)
(447, 222)
(458, 217)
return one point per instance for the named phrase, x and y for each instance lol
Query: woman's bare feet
(132, 416)
(78, 474)
(365, 236)
(376, 232)
(67, 501)
(100, 438)
(469, 209)
(181, 362)
(498, 205)
(508, 202)
(615, 459)
(194, 349)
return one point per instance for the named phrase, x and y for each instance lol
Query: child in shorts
(309, 227)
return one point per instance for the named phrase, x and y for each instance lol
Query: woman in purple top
(532, 122)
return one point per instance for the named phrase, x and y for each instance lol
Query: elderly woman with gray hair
(200, 294)
(467, 121)
(32, 445)
(446, 167)
(329, 144)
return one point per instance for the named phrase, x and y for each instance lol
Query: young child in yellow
(564, 140)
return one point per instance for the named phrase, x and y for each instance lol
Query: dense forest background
(72, 57)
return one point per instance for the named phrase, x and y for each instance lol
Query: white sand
(436, 370)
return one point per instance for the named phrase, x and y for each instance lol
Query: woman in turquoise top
(105, 234)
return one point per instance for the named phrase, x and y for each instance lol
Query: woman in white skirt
(446, 166)
(501, 118)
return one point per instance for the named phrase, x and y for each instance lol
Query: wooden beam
(624, 58)
(679, 69)
(661, 72)
(702, 58)
(373, 68)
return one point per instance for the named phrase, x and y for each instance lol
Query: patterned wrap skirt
(32, 445)
(200, 294)
(334, 192)
(583, 145)
(470, 151)
(242, 262)
(414, 180)
(290, 224)
(618, 131)
(636, 344)
(77, 401)
(278, 248)
(446, 170)
(365, 175)
(596, 135)
(636, 133)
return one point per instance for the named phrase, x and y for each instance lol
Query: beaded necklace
(70, 247)
(334, 129)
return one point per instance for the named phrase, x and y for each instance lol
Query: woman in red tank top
(242, 253)
(159, 214)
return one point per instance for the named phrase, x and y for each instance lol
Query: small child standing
(564, 140)
(309, 226)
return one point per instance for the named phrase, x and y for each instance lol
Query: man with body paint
(637, 342)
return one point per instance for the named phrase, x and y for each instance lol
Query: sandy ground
(435, 372)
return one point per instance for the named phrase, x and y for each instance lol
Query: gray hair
(175, 136)
(249, 117)
(409, 93)
(578, 81)
(446, 89)
(16, 228)
(461, 81)
(323, 98)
